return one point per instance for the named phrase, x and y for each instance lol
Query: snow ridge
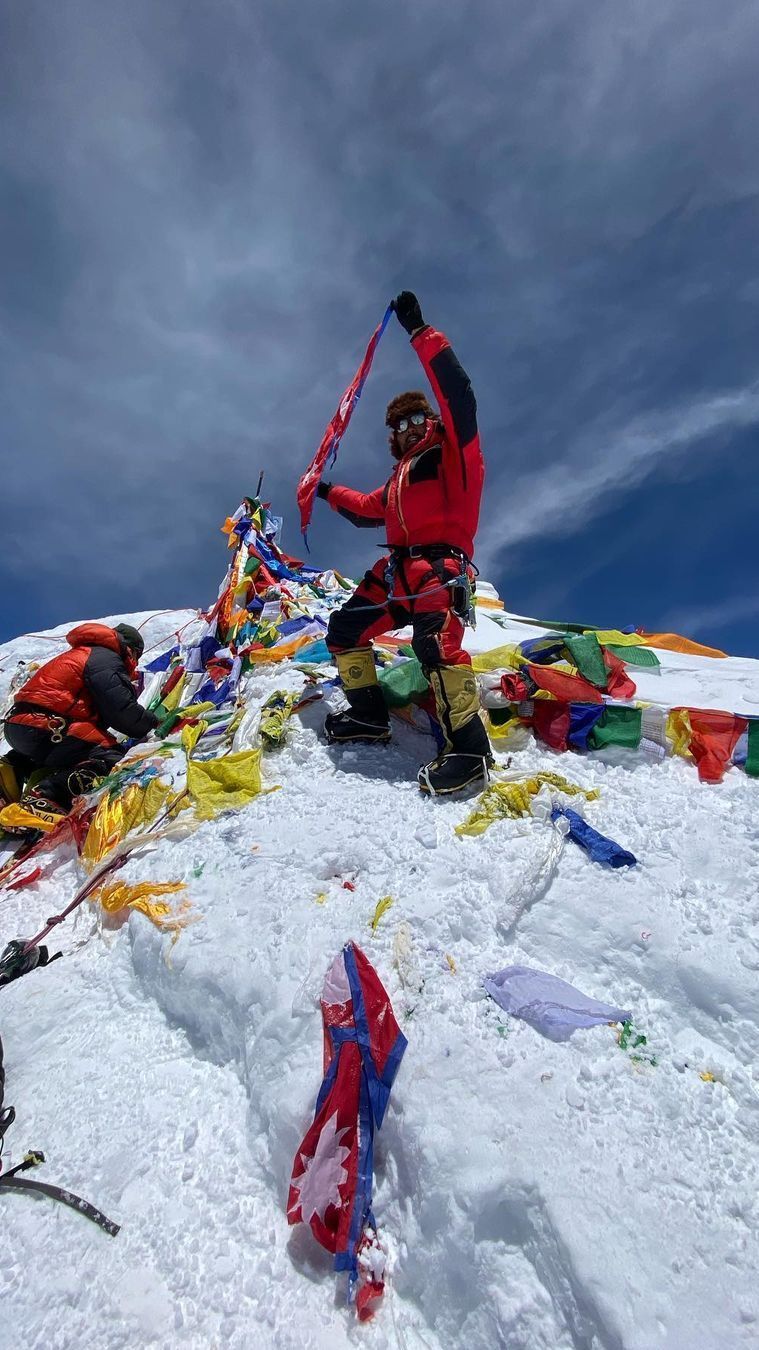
(531, 1194)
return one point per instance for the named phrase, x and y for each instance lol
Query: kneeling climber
(430, 507)
(58, 725)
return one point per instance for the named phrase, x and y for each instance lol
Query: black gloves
(408, 312)
(323, 491)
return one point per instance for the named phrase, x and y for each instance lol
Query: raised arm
(450, 384)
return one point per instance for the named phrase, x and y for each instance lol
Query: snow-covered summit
(531, 1194)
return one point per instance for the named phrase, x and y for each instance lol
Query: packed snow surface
(532, 1194)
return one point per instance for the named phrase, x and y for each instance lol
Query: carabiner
(57, 726)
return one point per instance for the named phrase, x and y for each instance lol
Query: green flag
(752, 761)
(399, 683)
(617, 726)
(586, 653)
(635, 656)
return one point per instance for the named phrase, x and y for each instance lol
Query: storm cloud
(206, 207)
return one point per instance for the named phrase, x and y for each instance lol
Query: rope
(49, 637)
(392, 599)
(199, 614)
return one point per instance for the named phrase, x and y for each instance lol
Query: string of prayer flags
(510, 800)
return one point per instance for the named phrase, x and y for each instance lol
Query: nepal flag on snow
(331, 1184)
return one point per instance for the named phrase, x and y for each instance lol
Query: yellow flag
(197, 709)
(679, 732)
(116, 816)
(191, 736)
(507, 657)
(382, 907)
(617, 639)
(224, 784)
(120, 895)
(171, 701)
(504, 800)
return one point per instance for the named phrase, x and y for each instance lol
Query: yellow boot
(366, 717)
(467, 756)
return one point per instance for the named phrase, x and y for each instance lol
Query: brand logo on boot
(355, 672)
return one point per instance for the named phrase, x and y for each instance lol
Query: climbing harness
(56, 724)
(460, 587)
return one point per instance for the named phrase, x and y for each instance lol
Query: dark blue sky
(206, 207)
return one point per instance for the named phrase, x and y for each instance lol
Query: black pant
(33, 748)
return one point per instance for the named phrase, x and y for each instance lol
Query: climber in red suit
(429, 507)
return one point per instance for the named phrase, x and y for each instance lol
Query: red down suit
(90, 686)
(430, 505)
(433, 494)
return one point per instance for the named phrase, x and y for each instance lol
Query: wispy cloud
(566, 496)
(712, 618)
(207, 207)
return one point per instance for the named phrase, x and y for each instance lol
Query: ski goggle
(415, 420)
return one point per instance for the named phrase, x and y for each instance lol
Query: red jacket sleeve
(458, 407)
(366, 509)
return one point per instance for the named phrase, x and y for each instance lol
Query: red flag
(619, 685)
(566, 688)
(308, 484)
(331, 1184)
(550, 722)
(713, 739)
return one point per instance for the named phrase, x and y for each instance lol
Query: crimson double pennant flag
(331, 1184)
(327, 452)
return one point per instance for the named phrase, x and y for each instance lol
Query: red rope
(199, 614)
(51, 637)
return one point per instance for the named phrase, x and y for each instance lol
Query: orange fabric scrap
(260, 655)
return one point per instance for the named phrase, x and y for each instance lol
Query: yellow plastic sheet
(679, 732)
(116, 816)
(507, 657)
(224, 784)
(512, 800)
(120, 895)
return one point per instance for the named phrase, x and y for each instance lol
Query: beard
(433, 430)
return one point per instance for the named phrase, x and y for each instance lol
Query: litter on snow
(548, 1004)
